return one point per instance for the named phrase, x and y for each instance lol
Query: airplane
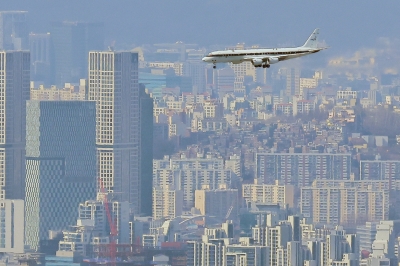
(264, 57)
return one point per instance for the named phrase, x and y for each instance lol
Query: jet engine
(273, 60)
(257, 62)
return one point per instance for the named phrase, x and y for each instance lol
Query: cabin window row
(274, 53)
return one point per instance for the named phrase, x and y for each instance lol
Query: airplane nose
(204, 59)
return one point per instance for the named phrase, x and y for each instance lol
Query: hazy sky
(346, 25)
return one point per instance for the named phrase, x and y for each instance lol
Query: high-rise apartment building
(291, 255)
(14, 30)
(167, 203)
(113, 85)
(272, 194)
(197, 71)
(14, 91)
(209, 252)
(247, 255)
(380, 170)
(221, 203)
(224, 80)
(12, 223)
(60, 164)
(366, 235)
(241, 71)
(345, 202)
(292, 76)
(189, 174)
(72, 42)
(303, 168)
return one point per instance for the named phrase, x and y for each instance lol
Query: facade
(146, 156)
(189, 174)
(219, 252)
(14, 30)
(244, 69)
(12, 224)
(196, 70)
(345, 202)
(366, 236)
(167, 203)
(113, 85)
(225, 79)
(60, 164)
(273, 194)
(386, 243)
(221, 203)
(211, 250)
(302, 106)
(347, 94)
(292, 80)
(14, 91)
(379, 170)
(247, 255)
(234, 164)
(284, 109)
(213, 109)
(71, 43)
(309, 83)
(303, 168)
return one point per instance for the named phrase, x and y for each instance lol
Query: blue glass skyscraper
(60, 164)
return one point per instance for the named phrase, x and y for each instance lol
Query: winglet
(312, 41)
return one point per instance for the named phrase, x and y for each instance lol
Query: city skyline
(278, 23)
(119, 145)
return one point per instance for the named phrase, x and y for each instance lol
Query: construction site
(125, 254)
(113, 253)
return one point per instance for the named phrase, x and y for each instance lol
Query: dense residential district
(149, 156)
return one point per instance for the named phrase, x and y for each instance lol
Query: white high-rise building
(221, 203)
(366, 235)
(346, 202)
(273, 194)
(303, 168)
(189, 174)
(12, 224)
(14, 91)
(167, 202)
(92, 226)
(113, 84)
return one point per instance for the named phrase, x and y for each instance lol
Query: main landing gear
(266, 65)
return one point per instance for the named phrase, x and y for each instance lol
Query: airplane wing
(283, 57)
(273, 58)
(267, 58)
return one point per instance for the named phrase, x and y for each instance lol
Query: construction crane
(112, 246)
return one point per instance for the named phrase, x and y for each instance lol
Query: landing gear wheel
(214, 66)
(268, 66)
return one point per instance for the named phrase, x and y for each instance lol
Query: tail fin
(312, 41)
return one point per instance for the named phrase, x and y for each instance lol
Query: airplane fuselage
(252, 55)
(264, 57)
